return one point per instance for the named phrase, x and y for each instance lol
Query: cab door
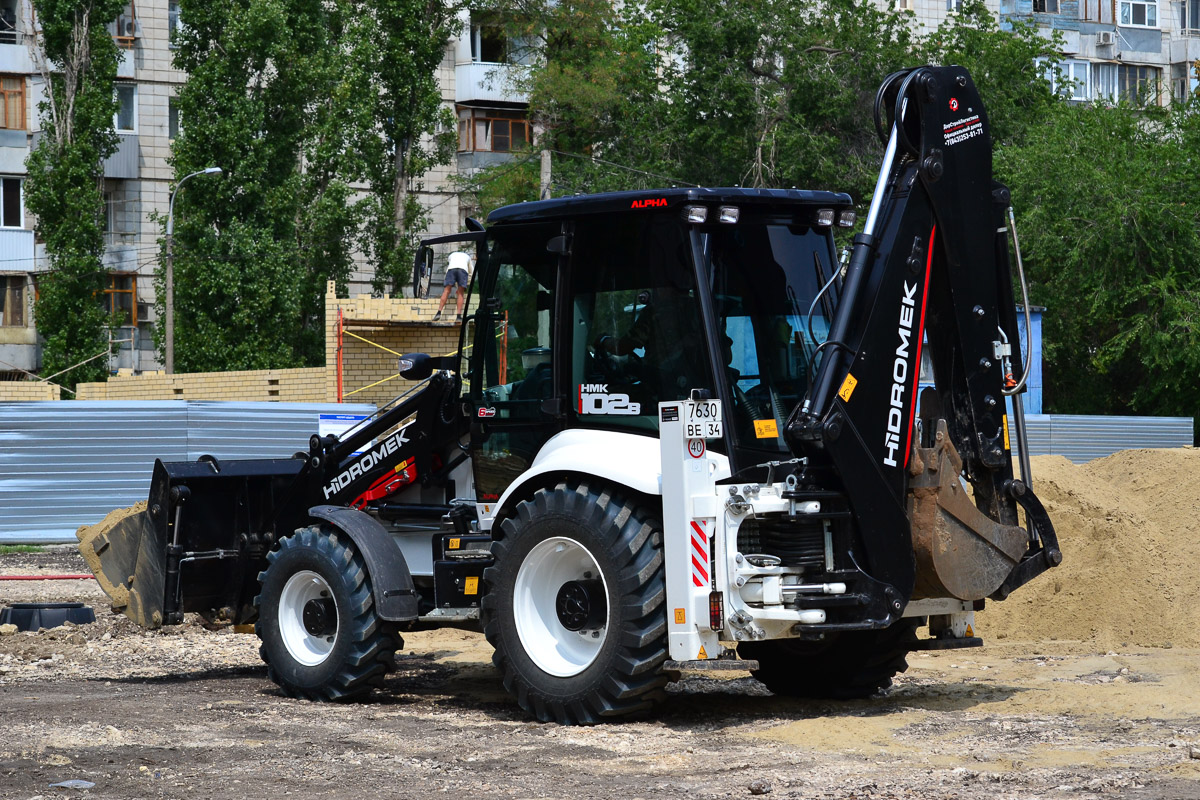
(513, 394)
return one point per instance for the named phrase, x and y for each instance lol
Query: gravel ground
(187, 712)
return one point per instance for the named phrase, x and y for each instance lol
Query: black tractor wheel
(320, 636)
(843, 666)
(575, 606)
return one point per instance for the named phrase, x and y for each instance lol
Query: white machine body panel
(628, 459)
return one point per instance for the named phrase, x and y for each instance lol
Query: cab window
(636, 335)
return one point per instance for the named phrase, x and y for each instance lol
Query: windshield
(763, 279)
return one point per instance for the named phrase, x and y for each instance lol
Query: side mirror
(415, 366)
(422, 271)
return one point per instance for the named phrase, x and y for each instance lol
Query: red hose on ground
(45, 577)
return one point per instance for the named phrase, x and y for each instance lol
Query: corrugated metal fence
(1082, 438)
(66, 464)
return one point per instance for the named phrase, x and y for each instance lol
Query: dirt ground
(1088, 687)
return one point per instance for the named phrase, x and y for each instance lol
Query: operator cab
(587, 312)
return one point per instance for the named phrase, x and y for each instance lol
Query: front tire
(321, 638)
(575, 606)
(844, 666)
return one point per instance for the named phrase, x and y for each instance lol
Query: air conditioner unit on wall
(1106, 38)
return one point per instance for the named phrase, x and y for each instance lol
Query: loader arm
(928, 276)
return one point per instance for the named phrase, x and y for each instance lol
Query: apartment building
(136, 178)
(1138, 51)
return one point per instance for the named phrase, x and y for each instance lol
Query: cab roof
(650, 200)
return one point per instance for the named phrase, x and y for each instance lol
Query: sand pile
(1129, 529)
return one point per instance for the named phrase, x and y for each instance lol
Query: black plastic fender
(392, 583)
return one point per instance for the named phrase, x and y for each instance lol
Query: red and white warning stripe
(699, 555)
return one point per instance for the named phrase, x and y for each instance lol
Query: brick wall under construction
(371, 324)
(280, 385)
(28, 390)
(375, 329)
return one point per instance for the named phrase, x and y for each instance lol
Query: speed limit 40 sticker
(696, 448)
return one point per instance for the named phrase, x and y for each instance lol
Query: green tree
(753, 92)
(238, 287)
(78, 59)
(779, 93)
(332, 212)
(1110, 231)
(398, 45)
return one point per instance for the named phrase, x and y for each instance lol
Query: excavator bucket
(960, 551)
(127, 556)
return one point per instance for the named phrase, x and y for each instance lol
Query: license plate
(704, 420)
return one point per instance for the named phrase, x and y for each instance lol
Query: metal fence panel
(257, 430)
(1082, 438)
(68, 463)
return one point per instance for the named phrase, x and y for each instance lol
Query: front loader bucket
(126, 555)
(199, 541)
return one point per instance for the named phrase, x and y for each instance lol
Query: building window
(9, 32)
(1139, 14)
(172, 20)
(491, 130)
(1139, 85)
(954, 6)
(1072, 80)
(1104, 82)
(904, 5)
(12, 95)
(121, 211)
(1045, 6)
(12, 301)
(125, 120)
(11, 213)
(120, 297)
(1189, 17)
(172, 118)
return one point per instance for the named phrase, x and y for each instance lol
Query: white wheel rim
(300, 588)
(551, 646)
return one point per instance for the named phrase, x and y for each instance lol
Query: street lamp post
(170, 321)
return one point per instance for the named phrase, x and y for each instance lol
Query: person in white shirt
(458, 275)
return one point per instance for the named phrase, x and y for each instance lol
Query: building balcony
(124, 162)
(16, 249)
(1185, 46)
(14, 56)
(125, 64)
(489, 82)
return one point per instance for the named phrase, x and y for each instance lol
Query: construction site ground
(1088, 687)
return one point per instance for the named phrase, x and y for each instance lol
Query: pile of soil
(1129, 529)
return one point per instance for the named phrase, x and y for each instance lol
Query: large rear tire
(321, 638)
(844, 666)
(575, 606)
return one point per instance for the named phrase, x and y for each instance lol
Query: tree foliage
(238, 294)
(779, 93)
(1109, 230)
(78, 60)
(398, 45)
(301, 103)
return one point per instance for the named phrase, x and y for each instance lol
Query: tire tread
(373, 644)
